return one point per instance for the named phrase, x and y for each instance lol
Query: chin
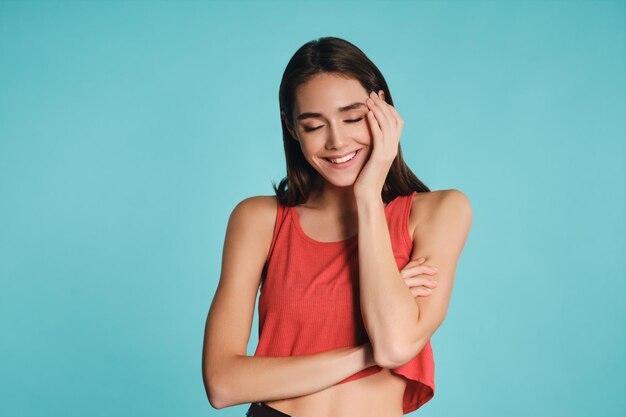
(338, 181)
(342, 184)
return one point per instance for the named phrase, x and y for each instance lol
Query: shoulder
(256, 215)
(259, 205)
(440, 205)
(435, 199)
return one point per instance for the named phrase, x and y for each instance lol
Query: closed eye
(310, 129)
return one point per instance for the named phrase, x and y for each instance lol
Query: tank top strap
(398, 220)
(281, 215)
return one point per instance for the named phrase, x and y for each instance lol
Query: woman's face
(330, 122)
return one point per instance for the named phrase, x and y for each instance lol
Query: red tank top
(309, 300)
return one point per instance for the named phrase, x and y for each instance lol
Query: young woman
(355, 257)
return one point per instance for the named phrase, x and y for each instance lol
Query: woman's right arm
(230, 376)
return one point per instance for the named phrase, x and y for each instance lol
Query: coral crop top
(309, 298)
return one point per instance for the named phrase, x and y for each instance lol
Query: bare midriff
(376, 395)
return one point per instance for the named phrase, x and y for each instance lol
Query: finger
(413, 269)
(411, 264)
(421, 269)
(375, 129)
(374, 103)
(421, 292)
(386, 109)
(414, 263)
(420, 261)
(416, 282)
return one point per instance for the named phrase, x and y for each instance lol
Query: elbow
(218, 395)
(216, 398)
(391, 356)
(398, 354)
(216, 391)
(386, 362)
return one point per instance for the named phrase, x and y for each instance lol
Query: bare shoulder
(259, 206)
(256, 215)
(441, 204)
(259, 200)
(229, 322)
(433, 199)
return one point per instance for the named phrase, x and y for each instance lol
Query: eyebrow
(343, 109)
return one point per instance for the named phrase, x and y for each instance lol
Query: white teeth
(344, 159)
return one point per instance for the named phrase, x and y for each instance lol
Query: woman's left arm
(398, 324)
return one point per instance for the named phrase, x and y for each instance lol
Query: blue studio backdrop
(129, 130)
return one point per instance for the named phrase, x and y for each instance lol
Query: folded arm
(398, 324)
(230, 376)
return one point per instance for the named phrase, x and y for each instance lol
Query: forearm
(388, 309)
(244, 379)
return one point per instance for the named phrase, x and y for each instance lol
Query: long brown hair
(331, 55)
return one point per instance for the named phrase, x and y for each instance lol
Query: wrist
(369, 202)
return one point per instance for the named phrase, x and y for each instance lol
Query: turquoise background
(130, 130)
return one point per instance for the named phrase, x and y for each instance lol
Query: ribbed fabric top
(309, 300)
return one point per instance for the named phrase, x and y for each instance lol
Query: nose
(335, 138)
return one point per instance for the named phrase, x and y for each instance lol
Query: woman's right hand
(418, 277)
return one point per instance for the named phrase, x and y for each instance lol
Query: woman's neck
(333, 199)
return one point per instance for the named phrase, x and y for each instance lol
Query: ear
(382, 95)
(291, 132)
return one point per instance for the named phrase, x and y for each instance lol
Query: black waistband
(260, 409)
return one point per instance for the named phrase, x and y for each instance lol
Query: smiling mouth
(344, 159)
